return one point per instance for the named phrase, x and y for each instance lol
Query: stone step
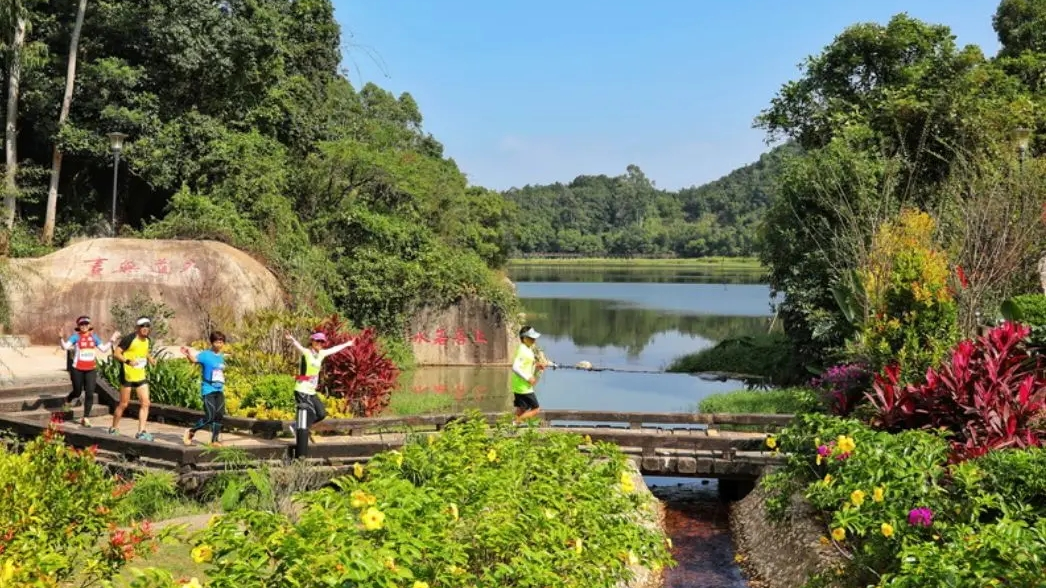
(31, 403)
(97, 410)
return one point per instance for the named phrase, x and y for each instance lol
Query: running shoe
(187, 437)
(113, 431)
(85, 423)
(144, 436)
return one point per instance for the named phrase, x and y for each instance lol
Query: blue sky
(538, 91)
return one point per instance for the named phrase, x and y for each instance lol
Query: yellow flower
(824, 540)
(668, 542)
(827, 479)
(213, 520)
(627, 485)
(193, 583)
(430, 439)
(8, 572)
(886, 529)
(492, 455)
(420, 584)
(877, 494)
(857, 497)
(454, 511)
(359, 499)
(398, 458)
(357, 469)
(839, 534)
(390, 564)
(202, 554)
(577, 545)
(738, 558)
(455, 570)
(373, 519)
(820, 459)
(845, 444)
(771, 442)
(631, 558)
(588, 440)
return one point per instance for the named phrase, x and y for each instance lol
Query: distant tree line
(627, 215)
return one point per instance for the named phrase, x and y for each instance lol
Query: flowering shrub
(843, 386)
(362, 376)
(473, 507)
(908, 518)
(58, 525)
(912, 314)
(991, 394)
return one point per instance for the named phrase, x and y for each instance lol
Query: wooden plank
(78, 437)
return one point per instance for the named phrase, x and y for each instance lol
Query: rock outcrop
(470, 332)
(197, 279)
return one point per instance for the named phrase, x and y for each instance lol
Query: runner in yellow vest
(308, 377)
(525, 369)
(135, 352)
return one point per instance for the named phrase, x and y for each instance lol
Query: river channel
(632, 320)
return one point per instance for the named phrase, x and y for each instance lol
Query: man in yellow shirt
(525, 369)
(134, 352)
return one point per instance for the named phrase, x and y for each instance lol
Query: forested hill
(240, 128)
(628, 215)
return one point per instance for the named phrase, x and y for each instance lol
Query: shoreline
(734, 263)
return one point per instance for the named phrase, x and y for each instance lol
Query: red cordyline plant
(991, 394)
(362, 375)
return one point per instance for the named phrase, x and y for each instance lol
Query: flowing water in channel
(631, 320)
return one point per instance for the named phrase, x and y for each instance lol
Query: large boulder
(470, 332)
(197, 279)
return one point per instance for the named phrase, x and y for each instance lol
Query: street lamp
(1022, 136)
(116, 142)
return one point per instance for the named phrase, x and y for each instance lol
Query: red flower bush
(991, 394)
(362, 375)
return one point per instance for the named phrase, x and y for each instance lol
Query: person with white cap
(134, 352)
(525, 369)
(308, 377)
(83, 347)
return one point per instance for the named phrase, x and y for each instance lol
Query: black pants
(314, 409)
(83, 383)
(213, 414)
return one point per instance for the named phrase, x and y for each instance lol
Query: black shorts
(132, 385)
(526, 401)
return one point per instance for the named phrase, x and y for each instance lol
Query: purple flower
(920, 517)
(824, 451)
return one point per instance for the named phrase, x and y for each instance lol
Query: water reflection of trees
(655, 275)
(605, 323)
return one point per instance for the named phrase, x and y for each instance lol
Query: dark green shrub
(770, 359)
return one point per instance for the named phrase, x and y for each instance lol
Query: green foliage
(769, 358)
(242, 129)
(125, 314)
(626, 215)
(986, 514)
(778, 401)
(1029, 309)
(911, 317)
(404, 403)
(466, 509)
(58, 513)
(154, 496)
(270, 391)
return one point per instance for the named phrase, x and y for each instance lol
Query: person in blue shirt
(212, 387)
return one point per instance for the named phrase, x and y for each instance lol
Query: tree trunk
(11, 125)
(67, 100)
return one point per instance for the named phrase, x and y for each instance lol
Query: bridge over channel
(729, 447)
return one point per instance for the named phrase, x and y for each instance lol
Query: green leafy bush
(905, 515)
(1029, 309)
(58, 517)
(473, 507)
(780, 401)
(171, 381)
(771, 358)
(125, 314)
(271, 391)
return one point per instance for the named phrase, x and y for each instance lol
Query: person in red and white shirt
(85, 345)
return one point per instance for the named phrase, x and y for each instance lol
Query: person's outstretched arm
(67, 345)
(190, 354)
(105, 347)
(337, 348)
(287, 335)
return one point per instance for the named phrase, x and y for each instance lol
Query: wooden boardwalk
(667, 444)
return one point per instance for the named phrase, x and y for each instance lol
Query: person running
(309, 375)
(84, 346)
(525, 369)
(134, 352)
(212, 387)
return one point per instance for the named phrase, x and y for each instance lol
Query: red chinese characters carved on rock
(439, 337)
(160, 267)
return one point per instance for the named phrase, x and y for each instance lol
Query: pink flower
(824, 451)
(920, 517)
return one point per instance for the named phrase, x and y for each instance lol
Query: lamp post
(116, 142)
(1022, 137)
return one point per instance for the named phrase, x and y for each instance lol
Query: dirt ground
(35, 365)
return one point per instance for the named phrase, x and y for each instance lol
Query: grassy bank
(730, 263)
(779, 401)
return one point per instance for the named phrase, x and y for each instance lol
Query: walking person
(525, 369)
(134, 352)
(83, 346)
(212, 387)
(308, 377)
